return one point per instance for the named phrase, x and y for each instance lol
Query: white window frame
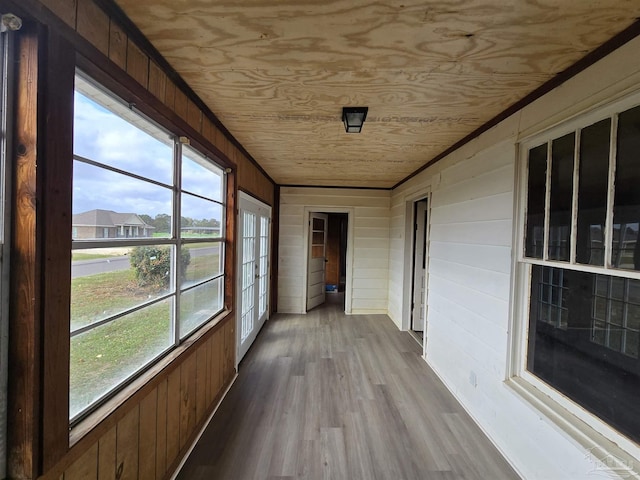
(603, 442)
(175, 240)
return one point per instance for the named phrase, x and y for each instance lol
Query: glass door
(254, 236)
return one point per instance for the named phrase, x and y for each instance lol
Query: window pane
(592, 192)
(108, 132)
(536, 188)
(200, 304)
(631, 344)
(263, 266)
(317, 238)
(204, 262)
(109, 281)
(200, 218)
(200, 176)
(626, 209)
(103, 358)
(115, 206)
(562, 156)
(592, 356)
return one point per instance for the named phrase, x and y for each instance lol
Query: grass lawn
(105, 356)
(96, 297)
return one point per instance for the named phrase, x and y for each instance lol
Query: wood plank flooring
(330, 396)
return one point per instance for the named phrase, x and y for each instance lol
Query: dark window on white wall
(148, 244)
(592, 192)
(582, 252)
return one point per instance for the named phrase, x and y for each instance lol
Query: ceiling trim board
(589, 59)
(336, 186)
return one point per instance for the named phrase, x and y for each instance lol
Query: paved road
(83, 268)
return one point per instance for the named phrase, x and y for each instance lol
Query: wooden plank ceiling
(277, 73)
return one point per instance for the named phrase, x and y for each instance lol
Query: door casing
(350, 211)
(407, 280)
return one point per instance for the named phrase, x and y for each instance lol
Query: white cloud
(103, 136)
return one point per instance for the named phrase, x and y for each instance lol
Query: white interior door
(254, 219)
(317, 259)
(418, 312)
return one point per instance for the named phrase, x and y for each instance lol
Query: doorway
(327, 259)
(418, 313)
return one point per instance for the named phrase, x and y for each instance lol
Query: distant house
(109, 224)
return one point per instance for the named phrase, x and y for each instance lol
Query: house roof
(277, 74)
(108, 218)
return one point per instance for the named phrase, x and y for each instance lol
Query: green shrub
(153, 265)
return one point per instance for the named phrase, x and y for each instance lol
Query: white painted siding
(370, 241)
(470, 270)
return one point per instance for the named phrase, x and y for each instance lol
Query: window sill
(104, 416)
(599, 447)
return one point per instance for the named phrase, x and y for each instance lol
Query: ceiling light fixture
(353, 118)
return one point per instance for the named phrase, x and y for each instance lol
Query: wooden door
(418, 312)
(317, 259)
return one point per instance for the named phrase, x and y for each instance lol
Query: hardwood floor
(330, 396)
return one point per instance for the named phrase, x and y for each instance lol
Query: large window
(581, 255)
(148, 250)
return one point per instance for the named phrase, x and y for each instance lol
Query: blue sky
(103, 136)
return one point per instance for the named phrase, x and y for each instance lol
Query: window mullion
(608, 232)
(573, 238)
(177, 235)
(547, 204)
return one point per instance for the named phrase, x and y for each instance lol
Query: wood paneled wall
(147, 433)
(148, 440)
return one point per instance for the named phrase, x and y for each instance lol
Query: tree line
(162, 222)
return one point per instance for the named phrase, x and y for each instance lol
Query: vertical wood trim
(230, 242)
(216, 362)
(93, 24)
(208, 129)
(201, 382)
(228, 361)
(55, 173)
(157, 81)
(170, 95)
(173, 416)
(137, 64)
(188, 398)
(209, 350)
(148, 436)
(117, 45)
(161, 430)
(86, 467)
(24, 346)
(127, 446)
(180, 106)
(194, 116)
(64, 9)
(107, 455)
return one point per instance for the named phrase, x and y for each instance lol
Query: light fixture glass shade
(353, 118)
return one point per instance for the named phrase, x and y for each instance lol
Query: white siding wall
(371, 244)
(470, 262)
